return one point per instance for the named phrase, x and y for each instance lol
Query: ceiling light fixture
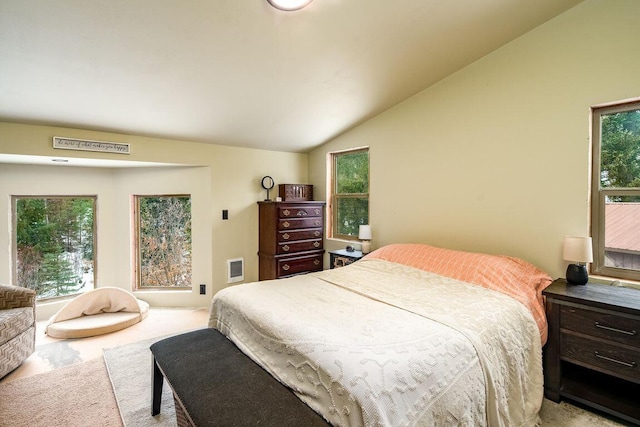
(289, 5)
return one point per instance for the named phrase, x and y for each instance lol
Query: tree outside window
(54, 244)
(616, 190)
(163, 247)
(349, 193)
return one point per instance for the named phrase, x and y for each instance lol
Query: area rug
(79, 395)
(129, 369)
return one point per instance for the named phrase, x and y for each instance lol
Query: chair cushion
(15, 321)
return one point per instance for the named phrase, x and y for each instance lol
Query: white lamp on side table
(364, 235)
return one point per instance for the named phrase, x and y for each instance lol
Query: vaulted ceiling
(239, 72)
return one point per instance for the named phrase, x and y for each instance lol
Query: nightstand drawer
(300, 246)
(609, 358)
(602, 325)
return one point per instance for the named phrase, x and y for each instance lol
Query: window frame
(136, 245)
(333, 196)
(599, 194)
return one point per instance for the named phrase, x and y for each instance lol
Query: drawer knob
(316, 262)
(316, 233)
(286, 267)
(619, 362)
(317, 211)
(317, 223)
(316, 244)
(286, 212)
(609, 328)
(302, 213)
(285, 248)
(286, 224)
(285, 236)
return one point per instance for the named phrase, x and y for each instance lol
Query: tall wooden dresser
(291, 238)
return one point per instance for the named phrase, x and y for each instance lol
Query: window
(615, 201)
(53, 245)
(349, 199)
(163, 241)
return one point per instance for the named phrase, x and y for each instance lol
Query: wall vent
(235, 270)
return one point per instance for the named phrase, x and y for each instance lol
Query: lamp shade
(577, 249)
(364, 232)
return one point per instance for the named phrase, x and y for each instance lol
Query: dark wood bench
(215, 384)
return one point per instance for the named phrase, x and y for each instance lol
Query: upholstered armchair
(17, 326)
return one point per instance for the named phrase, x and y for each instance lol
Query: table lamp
(364, 235)
(580, 251)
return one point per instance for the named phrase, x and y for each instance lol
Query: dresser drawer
(613, 359)
(602, 325)
(299, 211)
(291, 266)
(288, 236)
(294, 223)
(299, 246)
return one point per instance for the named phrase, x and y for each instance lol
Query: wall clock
(267, 184)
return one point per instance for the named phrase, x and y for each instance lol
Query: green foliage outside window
(164, 241)
(351, 203)
(54, 244)
(620, 150)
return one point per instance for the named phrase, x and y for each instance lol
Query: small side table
(342, 257)
(592, 354)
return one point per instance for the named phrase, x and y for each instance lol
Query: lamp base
(577, 274)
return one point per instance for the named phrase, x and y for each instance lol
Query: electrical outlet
(203, 289)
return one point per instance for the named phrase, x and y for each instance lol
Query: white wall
(218, 177)
(495, 158)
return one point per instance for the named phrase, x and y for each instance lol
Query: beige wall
(218, 177)
(495, 158)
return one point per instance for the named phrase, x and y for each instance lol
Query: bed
(409, 335)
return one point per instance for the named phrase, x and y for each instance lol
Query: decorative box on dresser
(592, 353)
(291, 238)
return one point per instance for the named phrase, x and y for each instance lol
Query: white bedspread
(380, 344)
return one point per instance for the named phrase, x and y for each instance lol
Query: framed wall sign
(90, 145)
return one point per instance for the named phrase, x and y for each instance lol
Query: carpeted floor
(77, 395)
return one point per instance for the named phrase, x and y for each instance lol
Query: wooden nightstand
(592, 354)
(342, 257)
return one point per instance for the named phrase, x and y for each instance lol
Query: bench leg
(156, 388)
